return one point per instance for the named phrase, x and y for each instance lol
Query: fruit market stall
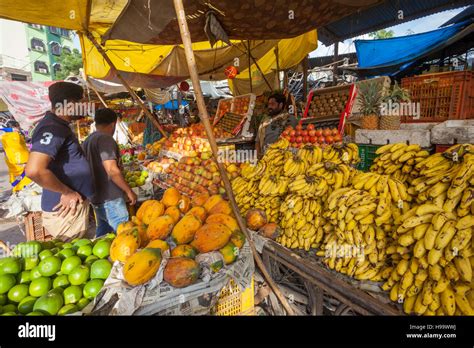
(403, 227)
(176, 256)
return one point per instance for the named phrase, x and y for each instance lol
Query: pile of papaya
(192, 226)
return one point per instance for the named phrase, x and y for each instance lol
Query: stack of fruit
(399, 160)
(191, 140)
(202, 225)
(431, 272)
(192, 175)
(154, 149)
(299, 136)
(53, 278)
(159, 166)
(328, 104)
(136, 178)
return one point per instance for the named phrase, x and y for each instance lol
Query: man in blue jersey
(58, 164)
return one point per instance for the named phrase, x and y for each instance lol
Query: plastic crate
(233, 301)
(367, 156)
(34, 227)
(442, 96)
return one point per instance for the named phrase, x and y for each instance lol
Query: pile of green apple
(136, 178)
(53, 278)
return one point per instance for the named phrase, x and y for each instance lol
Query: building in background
(29, 52)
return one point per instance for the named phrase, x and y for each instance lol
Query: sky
(418, 26)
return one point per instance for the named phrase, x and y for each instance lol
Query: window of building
(19, 77)
(41, 67)
(65, 32)
(36, 26)
(56, 67)
(37, 45)
(55, 48)
(66, 49)
(54, 30)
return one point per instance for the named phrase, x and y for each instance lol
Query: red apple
(299, 127)
(311, 133)
(329, 139)
(319, 133)
(321, 140)
(304, 133)
(306, 139)
(299, 139)
(292, 139)
(292, 133)
(310, 126)
(313, 139)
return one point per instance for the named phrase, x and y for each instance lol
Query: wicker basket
(370, 122)
(390, 122)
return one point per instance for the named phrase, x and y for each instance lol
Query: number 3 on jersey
(46, 139)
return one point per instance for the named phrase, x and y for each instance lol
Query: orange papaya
(142, 266)
(158, 243)
(160, 228)
(181, 272)
(185, 229)
(125, 245)
(198, 212)
(184, 250)
(174, 212)
(224, 219)
(171, 197)
(211, 237)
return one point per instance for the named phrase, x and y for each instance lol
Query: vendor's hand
(68, 204)
(132, 197)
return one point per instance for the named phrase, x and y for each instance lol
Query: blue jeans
(109, 215)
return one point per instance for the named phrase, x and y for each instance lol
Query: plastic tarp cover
(399, 50)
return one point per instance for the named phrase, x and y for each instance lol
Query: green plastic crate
(367, 156)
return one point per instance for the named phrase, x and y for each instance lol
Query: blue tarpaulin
(402, 51)
(171, 105)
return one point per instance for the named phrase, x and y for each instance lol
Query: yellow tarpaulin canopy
(151, 66)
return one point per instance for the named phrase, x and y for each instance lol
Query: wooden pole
(336, 57)
(250, 70)
(126, 85)
(305, 77)
(276, 51)
(186, 37)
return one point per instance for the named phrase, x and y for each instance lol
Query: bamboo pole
(126, 85)
(186, 37)
(250, 70)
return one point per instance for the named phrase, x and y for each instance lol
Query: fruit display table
(324, 285)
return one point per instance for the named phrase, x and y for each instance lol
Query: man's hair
(280, 98)
(105, 117)
(64, 92)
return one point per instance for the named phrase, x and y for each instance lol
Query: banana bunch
(308, 186)
(336, 175)
(376, 184)
(273, 186)
(281, 144)
(311, 154)
(271, 207)
(275, 159)
(301, 222)
(246, 192)
(354, 244)
(342, 153)
(434, 273)
(399, 160)
(251, 172)
(294, 166)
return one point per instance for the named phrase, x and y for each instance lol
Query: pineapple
(370, 98)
